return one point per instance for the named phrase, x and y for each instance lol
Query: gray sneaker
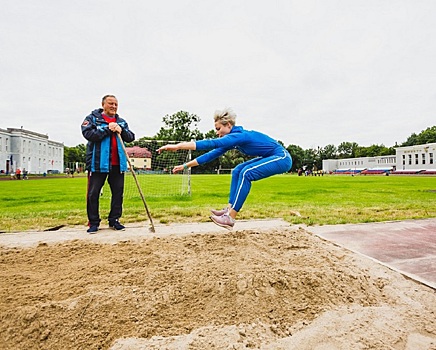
(220, 212)
(224, 221)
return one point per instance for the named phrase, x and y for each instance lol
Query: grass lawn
(45, 203)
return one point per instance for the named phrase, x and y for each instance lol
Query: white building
(408, 158)
(419, 157)
(358, 164)
(29, 150)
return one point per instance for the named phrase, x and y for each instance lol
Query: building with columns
(29, 150)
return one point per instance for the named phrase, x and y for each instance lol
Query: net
(154, 172)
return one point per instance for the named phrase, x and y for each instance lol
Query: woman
(272, 158)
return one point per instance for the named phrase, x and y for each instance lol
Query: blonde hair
(226, 116)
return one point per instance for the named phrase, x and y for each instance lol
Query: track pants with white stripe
(253, 170)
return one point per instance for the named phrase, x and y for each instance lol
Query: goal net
(154, 171)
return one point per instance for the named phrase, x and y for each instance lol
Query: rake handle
(137, 184)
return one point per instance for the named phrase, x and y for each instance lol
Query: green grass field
(41, 204)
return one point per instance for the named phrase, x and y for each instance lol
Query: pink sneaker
(224, 221)
(220, 212)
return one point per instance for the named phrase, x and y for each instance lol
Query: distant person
(25, 174)
(105, 159)
(272, 158)
(18, 173)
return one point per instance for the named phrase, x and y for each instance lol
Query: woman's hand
(171, 148)
(178, 168)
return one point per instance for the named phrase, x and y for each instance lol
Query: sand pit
(249, 289)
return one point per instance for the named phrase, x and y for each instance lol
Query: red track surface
(405, 246)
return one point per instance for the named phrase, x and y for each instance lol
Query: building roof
(138, 152)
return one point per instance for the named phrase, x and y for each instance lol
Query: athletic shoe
(224, 221)
(92, 229)
(116, 225)
(220, 212)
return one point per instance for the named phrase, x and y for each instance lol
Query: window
(416, 158)
(423, 158)
(431, 158)
(410, 159)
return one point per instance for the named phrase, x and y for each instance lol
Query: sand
(282, 288)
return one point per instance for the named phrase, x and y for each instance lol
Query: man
(105, 159)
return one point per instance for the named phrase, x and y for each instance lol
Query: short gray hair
(226, 116)
(106, 96)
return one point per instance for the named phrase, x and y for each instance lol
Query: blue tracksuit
(272, 158)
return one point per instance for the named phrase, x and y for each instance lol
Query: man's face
(110, 106)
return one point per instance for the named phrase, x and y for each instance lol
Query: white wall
(419, 157)
(31, 151)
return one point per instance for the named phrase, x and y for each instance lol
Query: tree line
(183, 126)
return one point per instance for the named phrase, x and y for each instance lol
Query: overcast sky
(306, 72)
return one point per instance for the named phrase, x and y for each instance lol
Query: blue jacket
(98, 150)
(251, 143)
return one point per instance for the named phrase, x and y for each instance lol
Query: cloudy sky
(306, 72)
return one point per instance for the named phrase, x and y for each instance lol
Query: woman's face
(222, 130)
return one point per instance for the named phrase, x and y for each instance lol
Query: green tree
(426, 136)
(311, 159)
(181, 126)
(297, 154)
(328, 152)
(211, 134)
(75, 154)
(347, 149)
(361, 151)
(232, 158)
(374, 151)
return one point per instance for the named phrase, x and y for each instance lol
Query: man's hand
(114, 127)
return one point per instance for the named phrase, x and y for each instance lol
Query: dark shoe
(117, 226)
(224, 221)
(220, 212)
(92, 229)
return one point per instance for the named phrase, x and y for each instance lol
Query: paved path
(405, 246)
(133, 232)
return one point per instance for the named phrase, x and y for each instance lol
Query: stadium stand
(348, 171)
(407, 172)
(428, 172)
(376, 171)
